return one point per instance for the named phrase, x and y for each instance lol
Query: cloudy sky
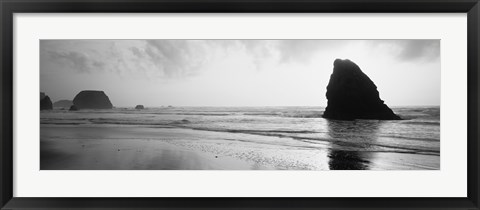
(235, 72)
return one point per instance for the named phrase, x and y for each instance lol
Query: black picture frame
(9, 7)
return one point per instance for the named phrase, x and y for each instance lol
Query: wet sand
(143, 148)
(105, 153)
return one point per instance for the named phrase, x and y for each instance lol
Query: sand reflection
(351, 140)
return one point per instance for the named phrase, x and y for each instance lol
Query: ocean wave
(288, 114)
(187, 123)
(356, 145)
(184, 121)
(421, 122)
(410, 138)
(250, 131)
(418, 134)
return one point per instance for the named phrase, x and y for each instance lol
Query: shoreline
(143, 148)
(124, 154)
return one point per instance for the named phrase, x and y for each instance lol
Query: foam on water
(418, 133)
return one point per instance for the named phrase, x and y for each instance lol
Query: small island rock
(139, 107)
(92, 99)
(352, 95)
(63, 104)
(73, 108)
(45, 102)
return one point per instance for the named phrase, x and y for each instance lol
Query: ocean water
(283, 137)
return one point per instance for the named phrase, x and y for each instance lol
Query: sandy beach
(70, 147)
(122, 153)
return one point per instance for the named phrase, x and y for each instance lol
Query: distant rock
(45, 102)
(352, 95)
(92, 99)
(139, 107)
(42, 95)
(184, 121)
(73, 108)
(63, 104)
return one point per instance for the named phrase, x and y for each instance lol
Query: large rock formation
(73, 108)
(92, 99)
(63, 104)
(139, 107)
(352, 95)
(45, 102)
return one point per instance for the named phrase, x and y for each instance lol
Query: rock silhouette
(73, 108)
(63, 104)
(45, 102)
(92, 99)
(139, 107)
(352, 95)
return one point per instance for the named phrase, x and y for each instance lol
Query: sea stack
(352, 95)
(73, 108)
(92, 99)
(63, 104)
(45, 102)
(139, 107)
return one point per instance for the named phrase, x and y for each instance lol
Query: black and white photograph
(167, 104)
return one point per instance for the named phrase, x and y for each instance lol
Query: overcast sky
(235, 72)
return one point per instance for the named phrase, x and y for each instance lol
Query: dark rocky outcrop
(63, 104)
(139, 107)
(42, 95)
(352, 95)
(45, 102)
(73, 108)
(92, 99)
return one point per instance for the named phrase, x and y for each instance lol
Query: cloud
(185, 58)
(151, 58)
(410, 50)
(79, 61)
(137, 52)
(420, 49)
(173, 58)
(303, 50)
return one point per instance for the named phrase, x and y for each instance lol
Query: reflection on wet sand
(129, 148)
(350, 137)
(347, 160)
